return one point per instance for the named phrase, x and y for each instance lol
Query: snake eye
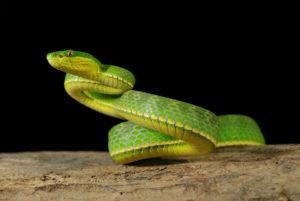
(69, 53)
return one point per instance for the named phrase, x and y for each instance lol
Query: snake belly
(156, 126)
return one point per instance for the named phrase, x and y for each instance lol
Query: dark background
(241, 62)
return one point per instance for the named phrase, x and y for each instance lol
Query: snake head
(74, 62)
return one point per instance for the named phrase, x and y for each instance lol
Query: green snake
(156, 126)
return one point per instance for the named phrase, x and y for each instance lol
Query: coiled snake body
(157, 126)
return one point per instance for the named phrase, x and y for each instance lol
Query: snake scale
(156, 126)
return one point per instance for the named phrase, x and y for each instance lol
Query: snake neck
(99, 94)
(100, 90)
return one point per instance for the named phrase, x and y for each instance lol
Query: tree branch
(240, 173)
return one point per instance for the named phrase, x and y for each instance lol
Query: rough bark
(241, 173)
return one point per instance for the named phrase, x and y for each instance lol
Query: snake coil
(157, 126)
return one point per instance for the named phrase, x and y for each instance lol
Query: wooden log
(239, 173)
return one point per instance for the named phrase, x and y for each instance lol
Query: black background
(242, 62)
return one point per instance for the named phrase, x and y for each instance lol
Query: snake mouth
(54, 63)
(51, 60)
(55, 60)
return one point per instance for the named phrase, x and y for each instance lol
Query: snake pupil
(69, 53)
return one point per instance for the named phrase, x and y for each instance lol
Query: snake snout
(54, 59)
(51, 56)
